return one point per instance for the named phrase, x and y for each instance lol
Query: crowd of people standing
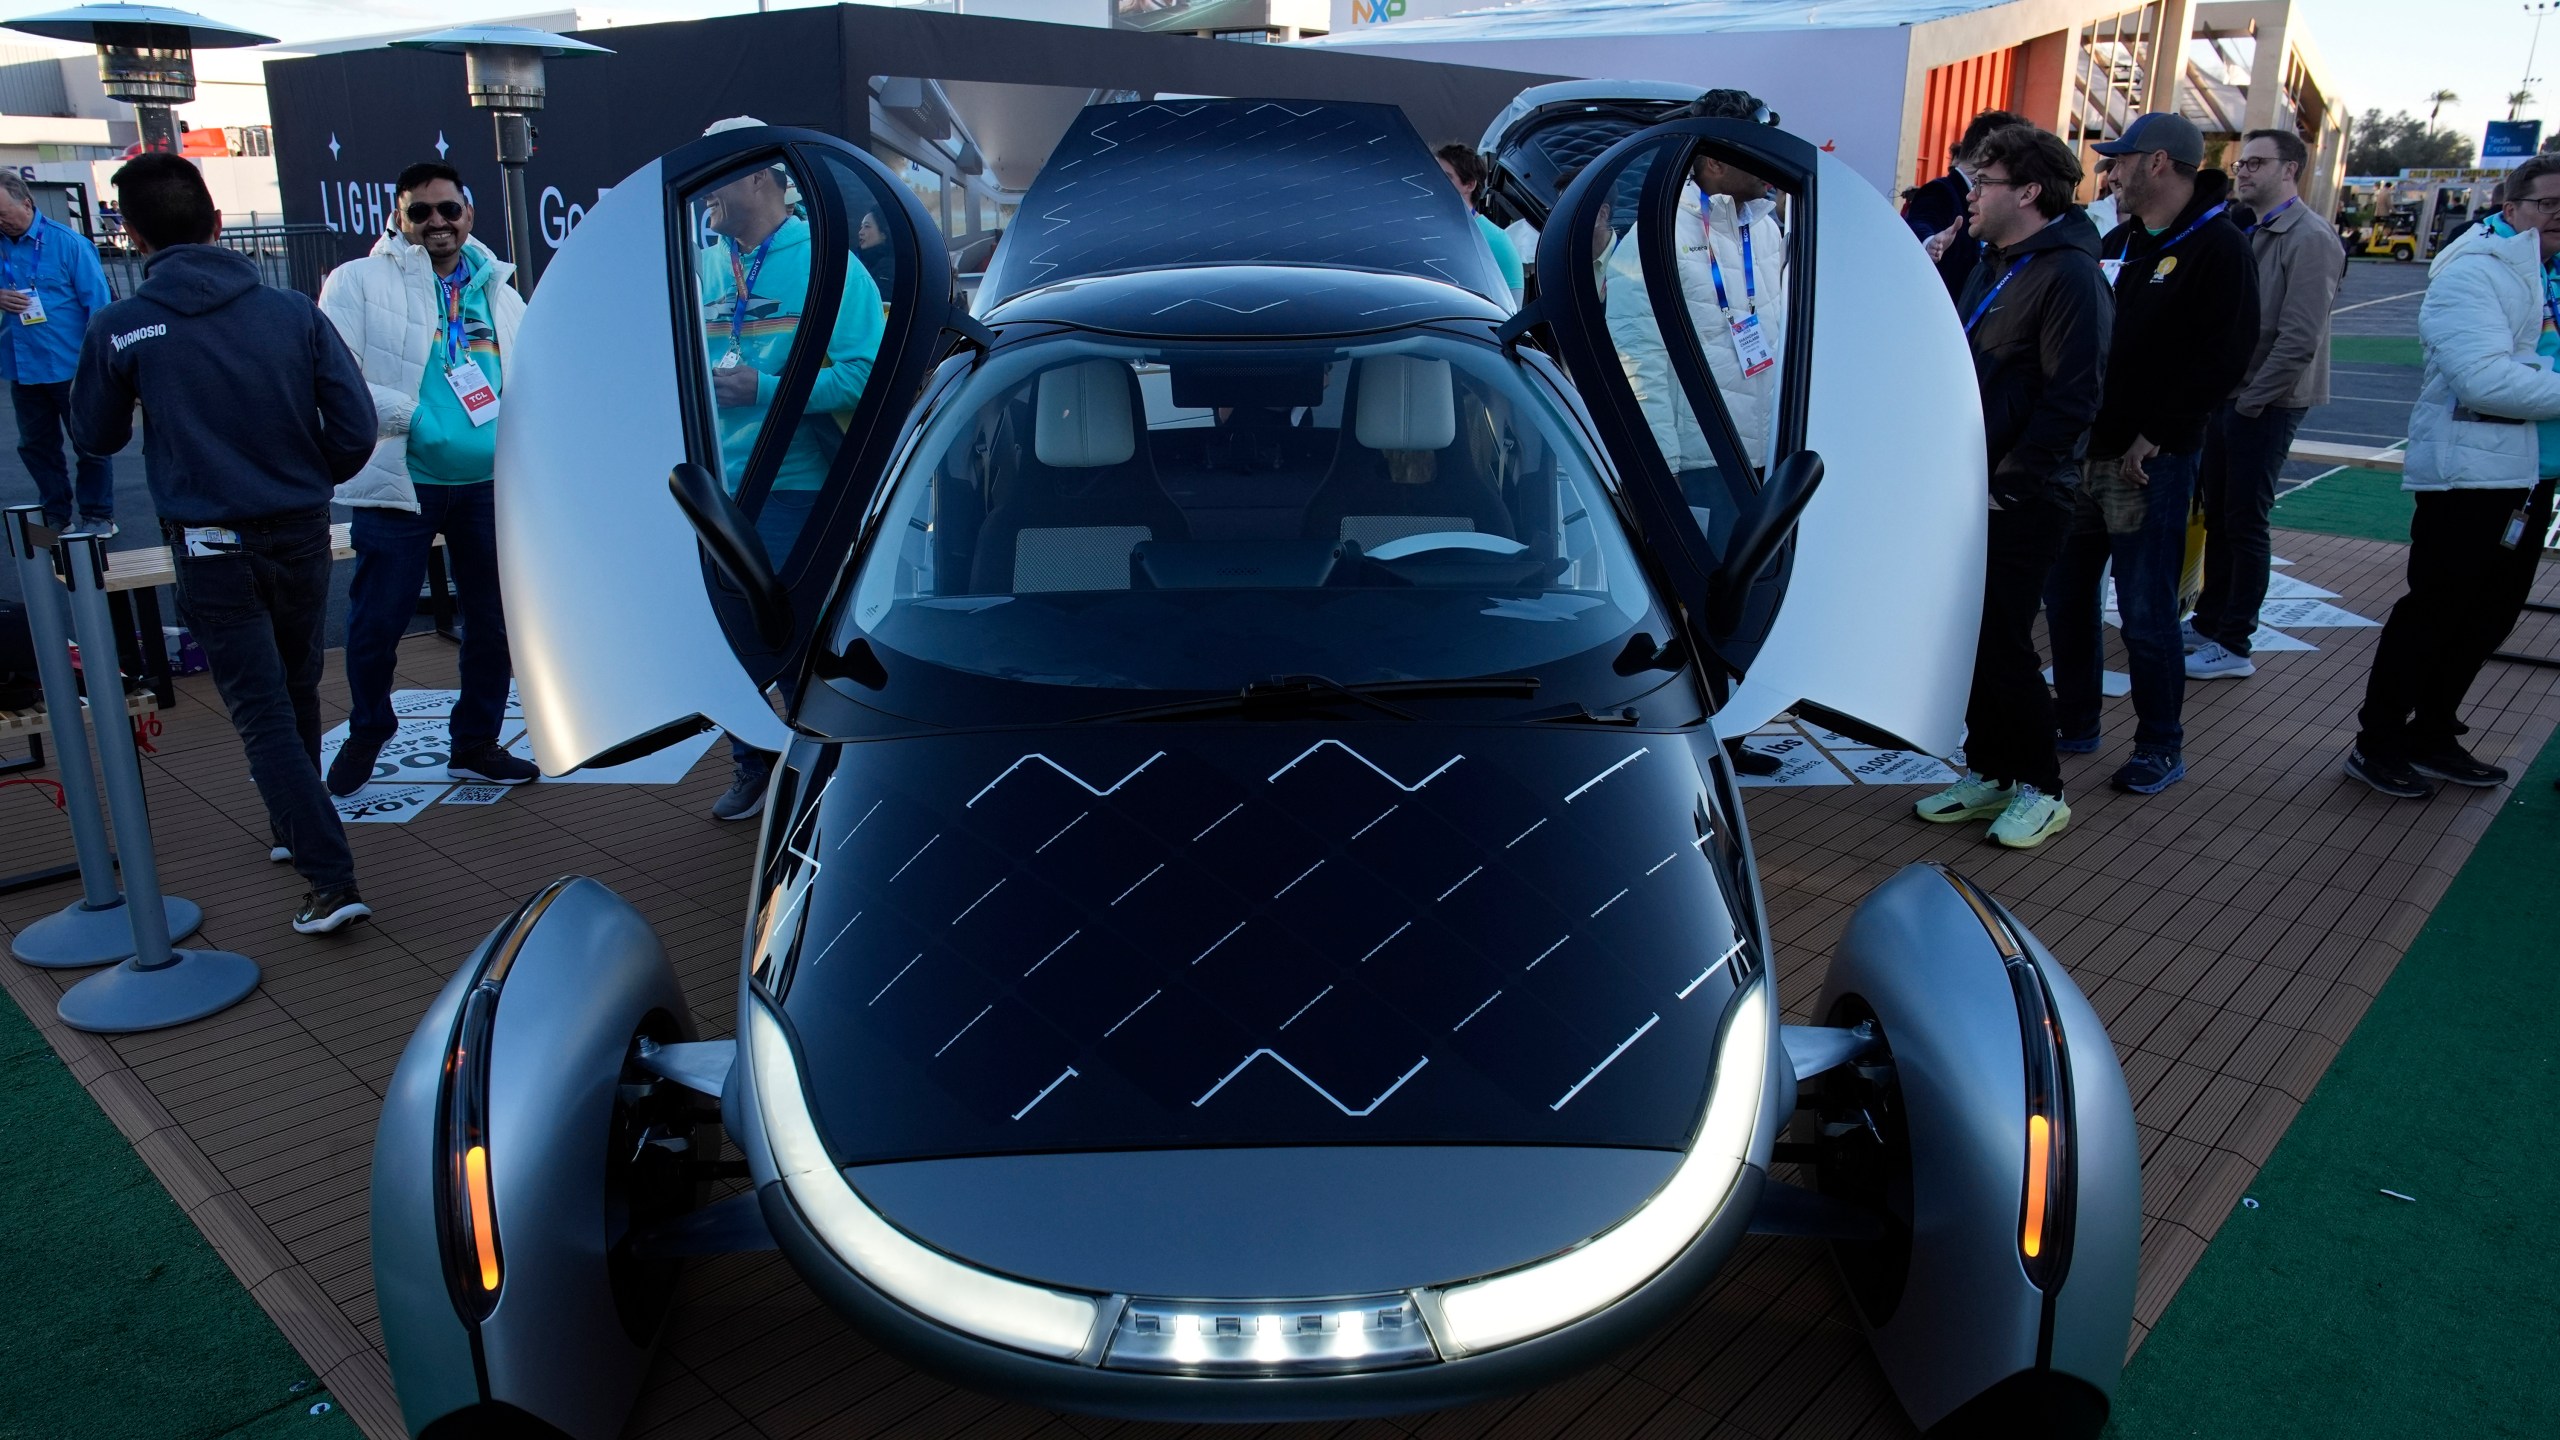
(2142, 358)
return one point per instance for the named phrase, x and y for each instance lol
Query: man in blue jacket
(50, 285)
(257, 412)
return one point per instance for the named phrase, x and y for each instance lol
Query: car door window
(1681, 323)
(784, 368)
(806, 260)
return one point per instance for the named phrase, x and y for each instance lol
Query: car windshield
(1197, 517)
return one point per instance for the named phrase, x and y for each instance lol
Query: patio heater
(146, 56)
(502, 70)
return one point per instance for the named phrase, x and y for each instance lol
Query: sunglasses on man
(449, 209)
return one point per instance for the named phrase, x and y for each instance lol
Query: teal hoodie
(445, 448)
(763, 338)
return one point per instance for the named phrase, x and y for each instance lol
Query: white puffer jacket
(1752, 401)
(2480, 323)
(384, 306)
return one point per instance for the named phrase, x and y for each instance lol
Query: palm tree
(2436, 103)
(2517, 100)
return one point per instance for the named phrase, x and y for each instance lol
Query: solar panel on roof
(1241, 182)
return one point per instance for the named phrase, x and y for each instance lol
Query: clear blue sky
(2391, 54)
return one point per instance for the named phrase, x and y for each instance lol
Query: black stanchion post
(93, 930)
(159, 986)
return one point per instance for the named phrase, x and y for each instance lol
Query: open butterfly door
(1730, 302)
(709, 311)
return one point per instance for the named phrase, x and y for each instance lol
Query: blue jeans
(2143, 530)
(391, 562)
(2238, 482)
(260, 613)
(41, 417)
(778, 525)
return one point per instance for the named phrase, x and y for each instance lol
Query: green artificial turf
(2332, 1309)
(2359, 504)
(2375, 350)
(122, 1322)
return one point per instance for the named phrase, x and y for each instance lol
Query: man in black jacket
(2186, 321)
(257, 411)
(2037, 314)
(1936, 211)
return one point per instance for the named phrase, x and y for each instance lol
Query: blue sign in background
(2510, 140)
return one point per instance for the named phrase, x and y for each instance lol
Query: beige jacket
(2300, 263)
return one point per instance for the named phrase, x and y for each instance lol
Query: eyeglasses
(2545, 206)
(1985, 182)
(2250, 164)
(449, 209)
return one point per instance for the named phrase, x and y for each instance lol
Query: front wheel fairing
(1255, 934)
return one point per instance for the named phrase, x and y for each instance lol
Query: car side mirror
(729, 538)
(1758, 536)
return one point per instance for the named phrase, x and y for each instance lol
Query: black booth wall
(347, 124)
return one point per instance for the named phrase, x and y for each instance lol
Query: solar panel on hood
(1241, 182)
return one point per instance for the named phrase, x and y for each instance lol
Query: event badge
(1751, 346)
(2113, 268)
(471, 387)
(732, 360)
(2513, 535)
(207, 542)
(34, 313)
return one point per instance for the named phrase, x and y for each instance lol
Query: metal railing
(292, 257)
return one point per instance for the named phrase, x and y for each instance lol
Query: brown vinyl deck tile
(2231, 932)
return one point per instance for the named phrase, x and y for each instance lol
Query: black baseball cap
(2171, 134)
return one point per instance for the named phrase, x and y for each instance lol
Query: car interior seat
(1069, 513)
(1404, 472)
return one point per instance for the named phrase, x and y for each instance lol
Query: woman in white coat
(1731, 256)
(2484, 449)
(432, 321)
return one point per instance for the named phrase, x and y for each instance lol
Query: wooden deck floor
(2231, 931)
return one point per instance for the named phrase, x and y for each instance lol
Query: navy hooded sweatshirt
(256, 409)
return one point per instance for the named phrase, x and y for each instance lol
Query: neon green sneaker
(1971, 798)
(2032, 818)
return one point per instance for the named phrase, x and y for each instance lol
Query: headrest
(1406, 404)
(1084, 416)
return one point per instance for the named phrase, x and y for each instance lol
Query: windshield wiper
(1285, 693)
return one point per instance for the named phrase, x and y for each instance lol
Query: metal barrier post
(159, 986)
(93, 930)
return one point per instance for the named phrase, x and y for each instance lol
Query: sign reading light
(1517, 1304)
(975, 1302)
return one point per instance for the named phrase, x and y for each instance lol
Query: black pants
(42, 411)
(2009, 717)
(2238, 482)
(2465, 592)
(260, 612)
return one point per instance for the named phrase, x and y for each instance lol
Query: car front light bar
(1024, 1317)
(1273, 1337)
(1549, 1294)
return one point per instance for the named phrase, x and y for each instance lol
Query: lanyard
(452, 287)
(2181, 235)
(1715, 272)
(35, 266)
(744, 273)
(1984, 307)
(2263, 219)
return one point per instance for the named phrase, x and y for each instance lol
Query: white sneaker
(1971, 798)
(2190, 639)
(2211, 661)
(2031, 819)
